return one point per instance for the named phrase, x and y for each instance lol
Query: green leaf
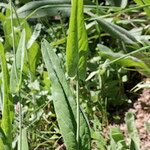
(72, 42)
(119, 3)
(132, 131)
(142, 3)
(82, 42)
(115, 31)
(24, 143)
(38, 9)
(125, 60)
(77, 42)
(7, 109)
(64, 103)
(33, 57)
(117, 139)
(17, 67)
(34, 36)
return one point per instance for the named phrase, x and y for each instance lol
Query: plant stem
(20, 121)
(78, 113)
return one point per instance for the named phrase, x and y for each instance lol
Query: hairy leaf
(64, 103)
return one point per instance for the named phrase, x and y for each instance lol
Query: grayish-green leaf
(17, 67)
(34, 36)
(64, 103)
(125, 60)
(132, 131)
(119, 3)
(24, 143)
(114, 30)
(37, 9)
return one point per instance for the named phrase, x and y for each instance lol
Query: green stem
(20, 121)
(78, 113)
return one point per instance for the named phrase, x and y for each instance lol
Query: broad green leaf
(132, 131)
(77, 42)
(82, 42)
(64, 103)
(17, 67)
(7, 110)
(72, 56)
(24, 141)
(33, 55)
